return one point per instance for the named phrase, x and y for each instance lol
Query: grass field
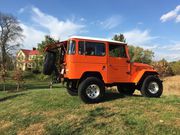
(39, 110)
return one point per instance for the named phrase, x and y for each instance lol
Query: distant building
(28, 59)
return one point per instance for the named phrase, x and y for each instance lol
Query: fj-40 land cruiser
(88, 65)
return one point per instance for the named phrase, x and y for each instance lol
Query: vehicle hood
(140, 66)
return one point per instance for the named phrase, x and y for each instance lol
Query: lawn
(40, 110)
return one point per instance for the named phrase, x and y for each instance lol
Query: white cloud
(172, 15)
(170, 52)
(56, 28)
(178, 19)
(138, 37)
(144, 39)
(173, 47)
(167, 56)
(111, 22)
(32, 36)
(47, 25)
(21, 10)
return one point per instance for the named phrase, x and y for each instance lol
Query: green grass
(43, 111)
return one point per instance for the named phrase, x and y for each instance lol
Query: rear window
(91, 48)
(116, 50)
(71, 48)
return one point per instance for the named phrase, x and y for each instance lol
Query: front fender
(137, 76)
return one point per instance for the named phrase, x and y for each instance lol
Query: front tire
(152, 87)
(91, 90)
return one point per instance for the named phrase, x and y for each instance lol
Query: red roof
(34, 52)
(25, 51)
(30, 52)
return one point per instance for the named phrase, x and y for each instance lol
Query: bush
(163, 67)
(175, 67)
(19, 78)
(28, 75)
(42, 77)
(36, 71)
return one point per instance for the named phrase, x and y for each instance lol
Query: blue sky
(153, 24)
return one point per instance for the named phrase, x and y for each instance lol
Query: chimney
(34, 48)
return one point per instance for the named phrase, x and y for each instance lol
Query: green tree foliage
(41, 47)
(163, 68)
(137, 54)
(175, 67)
(48, 40)
(119, 37)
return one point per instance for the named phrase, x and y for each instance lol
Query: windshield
(71, 47)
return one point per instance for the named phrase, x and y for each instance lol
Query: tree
(18, 77)
(41, 47)
(10, 37)
(119, 37)
(48, 40)
(3, 75)
(137, 54)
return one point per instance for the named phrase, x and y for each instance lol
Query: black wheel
(49, 63)
(126, 89)
(91, 90)
(71, 88)
(152, 87)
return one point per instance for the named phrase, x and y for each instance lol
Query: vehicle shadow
(11, 97)
(109, 96)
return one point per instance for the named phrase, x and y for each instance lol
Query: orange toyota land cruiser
(88, 65)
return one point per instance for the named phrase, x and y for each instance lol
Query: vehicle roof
(96, 39)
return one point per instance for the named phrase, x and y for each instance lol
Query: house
(28, 59)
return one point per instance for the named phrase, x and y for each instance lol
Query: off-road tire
(145, 91)
(126, 89)
(49, 63)
(83, 88)
(71, 89)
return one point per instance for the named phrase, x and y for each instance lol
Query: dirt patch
(5, 124)
(35, 129)
(52, 113)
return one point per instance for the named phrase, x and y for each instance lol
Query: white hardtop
(96, 39)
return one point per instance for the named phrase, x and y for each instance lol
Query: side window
(71, 47)
(116, 50)
(91, 48)
(81, 47)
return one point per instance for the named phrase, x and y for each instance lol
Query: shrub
(163, 68)
(175, 67)
(42, 77)
(18, 77)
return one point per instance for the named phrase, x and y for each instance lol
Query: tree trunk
(18, 86)
(4, 86)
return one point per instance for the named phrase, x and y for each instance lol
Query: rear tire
(126, 89)
(91, 90)
(71, 88)
(152, 87)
